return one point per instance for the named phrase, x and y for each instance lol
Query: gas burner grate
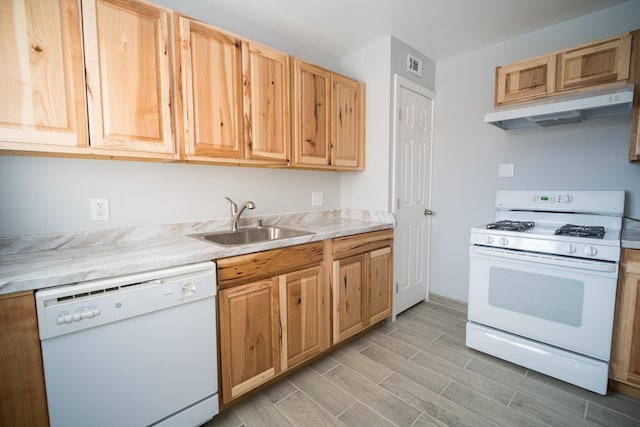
(508, 225)
(595, 232)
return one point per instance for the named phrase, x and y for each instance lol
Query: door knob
(428, 212)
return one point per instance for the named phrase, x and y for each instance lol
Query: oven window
(553, 298)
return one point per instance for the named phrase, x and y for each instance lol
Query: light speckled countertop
(36, 262)
(630, 237)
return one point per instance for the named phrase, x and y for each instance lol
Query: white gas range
(542, 282)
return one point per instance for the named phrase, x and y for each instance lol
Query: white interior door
(413, 106)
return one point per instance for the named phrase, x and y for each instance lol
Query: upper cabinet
(234, 99)
(582, 67)
(129, 79)
(604, 61)
(266, 85)
(211, 67)
(42, 95)
(122, 109)
(328, 123)
(128, 69)
(527, 79)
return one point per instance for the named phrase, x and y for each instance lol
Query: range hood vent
(565, 109)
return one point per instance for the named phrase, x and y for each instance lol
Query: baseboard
(449, 302)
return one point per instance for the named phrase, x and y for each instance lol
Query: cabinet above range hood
(563, 109)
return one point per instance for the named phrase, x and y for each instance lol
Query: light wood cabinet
(601, 62)
(348, 123)
(234, 100)
(129, 73)
(328, 119)
(311, 112)
(42, 93)
(302, 302)
(267, 122)
(211, 96)
(273, 315)
(634, 142)
(527, 79)
(249, 336)
(22, 391)
(362, 282)
(582, 67)
(624, 367)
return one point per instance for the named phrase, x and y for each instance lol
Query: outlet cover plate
(99, 209)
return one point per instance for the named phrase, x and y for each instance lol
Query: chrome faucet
(235, 212)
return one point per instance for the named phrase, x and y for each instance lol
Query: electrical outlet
(316, 198)
(99, 209)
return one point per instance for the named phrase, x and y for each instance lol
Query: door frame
(398, 83)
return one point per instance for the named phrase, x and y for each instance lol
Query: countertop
(630, 238)
(37, 262)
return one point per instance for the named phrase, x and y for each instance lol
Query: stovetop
(572, 230)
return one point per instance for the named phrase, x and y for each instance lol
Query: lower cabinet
(276, 311)
(624, 368)
(22, 392)
(249, 336)
(302, 317)
(273, 315)
(362, 278)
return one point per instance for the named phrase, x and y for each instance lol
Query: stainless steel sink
(246, 236)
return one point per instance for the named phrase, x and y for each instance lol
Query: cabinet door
(349, 277)
(527, 79)
(601, 62)
(211, 63)
(22, 392)
(266, 103)
(128, 69)
(248, 337)
(312, 86)
(347, 123)
(625, 347)
(379, 285)
(42, 94)
(301, 316)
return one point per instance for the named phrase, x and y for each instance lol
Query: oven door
(564, 302)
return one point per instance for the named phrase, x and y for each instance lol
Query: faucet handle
(234, 206)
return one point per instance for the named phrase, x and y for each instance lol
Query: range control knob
(589, 250)
(570, 249)
(488, 240)
(504, 241)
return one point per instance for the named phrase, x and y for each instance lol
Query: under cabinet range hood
(563, 109)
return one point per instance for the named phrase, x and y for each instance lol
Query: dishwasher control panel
(72, 308)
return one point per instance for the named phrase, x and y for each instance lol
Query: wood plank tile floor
(418, 372)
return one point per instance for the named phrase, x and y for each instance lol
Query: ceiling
(436, 28)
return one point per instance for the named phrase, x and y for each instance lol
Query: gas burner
(508, 225)
(595, 232)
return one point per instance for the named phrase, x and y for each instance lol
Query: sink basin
(246, 236)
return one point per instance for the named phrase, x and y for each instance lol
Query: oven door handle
(532, 257)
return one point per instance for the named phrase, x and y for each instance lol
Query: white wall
(43, 195)
(375, 65)
(369, 189)
(467, 152)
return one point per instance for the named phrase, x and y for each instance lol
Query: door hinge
(396, 287)
(400, 114)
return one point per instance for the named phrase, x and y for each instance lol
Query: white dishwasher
(137, 350)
